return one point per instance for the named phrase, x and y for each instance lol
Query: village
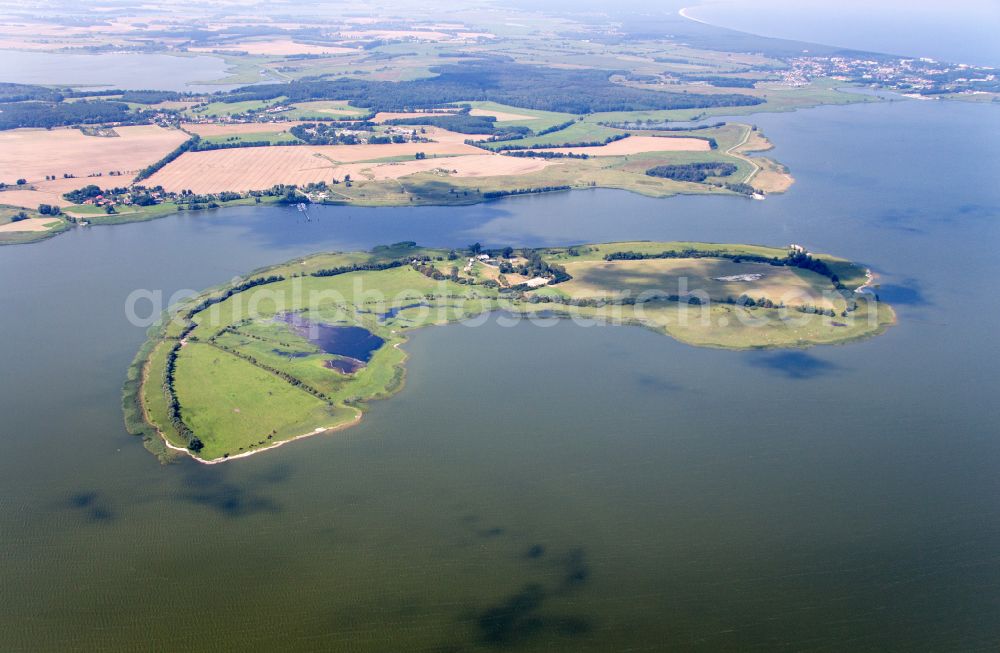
(915, 76)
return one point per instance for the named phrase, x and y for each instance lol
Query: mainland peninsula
(409, 111)
(300, 348)
(336, 153)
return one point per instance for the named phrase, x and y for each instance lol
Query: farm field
(257, 168)
(638, 145)
(503, 116)
(223, 109)
(272, 137)
(450, 171)
(469, 165)
(440, 185)
(35, 227)
(385, 116)
(276, 47)
(46, 192)
(511, 115)
(323, 110)
(30, 225)
(230, 128)
(279, 357)
(579, 132)
(771, 176)
(32, 154)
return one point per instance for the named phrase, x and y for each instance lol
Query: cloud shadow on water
(518, 618)
(907, 293)
(91, 506)
(207, 488)
(797, 365)
(901, 220)
(658, 384)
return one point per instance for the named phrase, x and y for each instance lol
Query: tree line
(512, 147)
(542, 154)
(494, 194)
(152, 169)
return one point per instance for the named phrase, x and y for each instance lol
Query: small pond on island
(355, 344)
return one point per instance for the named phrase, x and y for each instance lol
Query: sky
(961, 31)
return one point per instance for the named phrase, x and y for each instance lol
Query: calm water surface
(129, 70)
(542, 488)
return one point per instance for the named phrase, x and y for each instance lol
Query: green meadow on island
(300, 348)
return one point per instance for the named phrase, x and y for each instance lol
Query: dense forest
(577, 91)
(463, 123)
(10, 92)
(696, 172)
(57, 114)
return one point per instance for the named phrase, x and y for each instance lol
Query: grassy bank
(37, 226)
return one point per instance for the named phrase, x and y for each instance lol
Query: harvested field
(34, 153)
(30, 199)
(277, 48)
(439, 135)
(473, 165)
(638, 145)
(383, 116)
(224, 129)
(51, 192)
(773, 177)
(501, 116)
(31, 224)
(259, 168)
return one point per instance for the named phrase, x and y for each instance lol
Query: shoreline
(683, 14)
(359, 414)
(881, 329)
(246, 454)
(82, 215)
(152, 430)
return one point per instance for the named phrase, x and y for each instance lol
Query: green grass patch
(217, 109)
(579, 132)
(235, 406)
(537, 121)
(273, 137)
(324, 110)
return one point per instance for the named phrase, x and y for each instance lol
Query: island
(301, 348)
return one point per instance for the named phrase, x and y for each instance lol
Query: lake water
(960, 31)
(542, 488)
(127, 70)
(350, 341)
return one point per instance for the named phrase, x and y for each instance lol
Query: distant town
(913, 77)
